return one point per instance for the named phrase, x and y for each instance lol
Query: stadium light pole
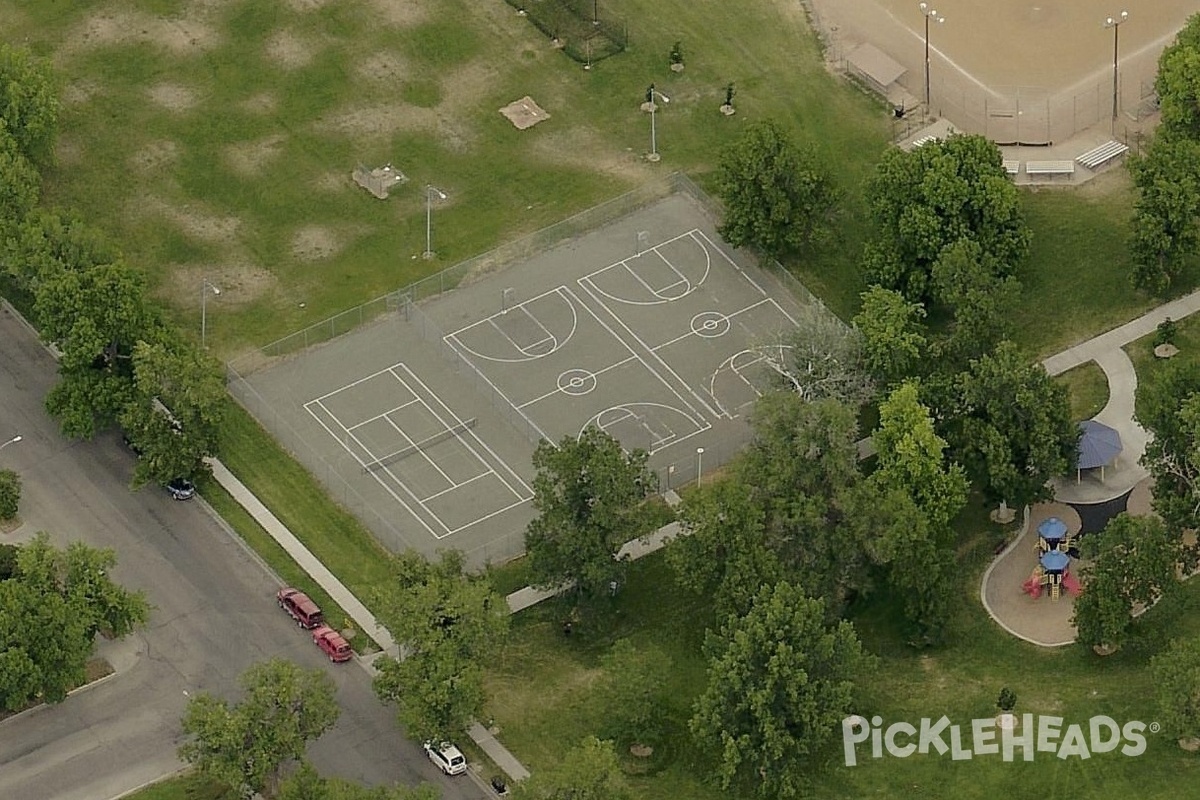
(1115, 24)
(929, 13)
(13, 440)
(699, 464)
(595, 12)
(430, 191)
(654, 94)
(206, 286)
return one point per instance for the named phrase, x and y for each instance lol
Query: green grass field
(215, 139)
(1087, 389)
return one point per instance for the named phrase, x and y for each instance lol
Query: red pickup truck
(296, 603)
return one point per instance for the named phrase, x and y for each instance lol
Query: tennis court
(650, 328)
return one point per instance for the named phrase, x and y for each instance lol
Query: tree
(893, 340)
(1178, 83)
(173, 375)
(823, 360)
(801, 460)
(1168, 406)
(247, 745)
(306, 784)
(10, 494)
(933, 196)
(1166, 218)
(778, 196)
(725, 554)
(779, 683)
(47, 243)
(92, 315)
(634, 690)
(1176, 673)
(1012, 429)
(1134, 563)
(28, 103)
(590, 771)
(912, 457)
(448, 624)
(80, 575)
(87, 400)
(590, 498)
(44, 645)
(21, 182)
(981, 298)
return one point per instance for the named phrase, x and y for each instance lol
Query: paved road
(214, 616)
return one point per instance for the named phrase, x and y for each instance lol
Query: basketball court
(650, 328)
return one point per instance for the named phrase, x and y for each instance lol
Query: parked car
(448, 758)
(332, 644)
(296, 603)
(181, 489)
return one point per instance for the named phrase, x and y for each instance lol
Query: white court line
(350, 386)
(730, 317)
(745, 275)
(559, 389)
(467, 348)
(375, 474)
(377, 416)
(483, 444)
(595, 273)
(422, 453)
(656, 292)
(436, 495)
(586, 283)
(519, 348)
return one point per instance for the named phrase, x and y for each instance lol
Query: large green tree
(1168, 406)
(590, 771)
(1133, 563)
(934, 195)
(1011, 426)
(590, 496)
(28, 102)
(448, 623)
(1176, 674)
(10, 493)
(1166, 218)
(20, 182)
(634, 691)
(893, 336)
(778, 196)
(175, 416)
(1178, 83)
(247, 745)
(981, 300)
(779, 682)
(725, 554)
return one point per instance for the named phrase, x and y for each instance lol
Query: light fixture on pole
(595, 12)
(930, 14)
(699, 464)
(430, 191)
(653, 94)
(206, 286)
(13, 440)
(1115, 24)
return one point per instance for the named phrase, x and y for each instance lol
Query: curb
(72, 693)
(159, 779)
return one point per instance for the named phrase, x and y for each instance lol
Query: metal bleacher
(1094, 159)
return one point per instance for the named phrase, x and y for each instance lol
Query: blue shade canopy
(1098, 445)
(1055, 561)
(1052, 528)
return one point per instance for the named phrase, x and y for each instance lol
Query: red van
(332, 644)
(296, 603)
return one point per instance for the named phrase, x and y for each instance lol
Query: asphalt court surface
(425, 422)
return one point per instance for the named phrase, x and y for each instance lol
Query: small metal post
(699, 464)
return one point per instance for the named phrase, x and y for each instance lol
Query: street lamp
(1115, 24)
(430, 191)
(13, 440)
(206, 286)
(651, 95)
(699, 464)
(930, 14)
(595, 12)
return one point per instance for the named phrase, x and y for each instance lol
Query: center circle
(710, 324)
(576, 382)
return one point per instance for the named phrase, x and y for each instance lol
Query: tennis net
(417, 447)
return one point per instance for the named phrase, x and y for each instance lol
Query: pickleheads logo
(989, 737)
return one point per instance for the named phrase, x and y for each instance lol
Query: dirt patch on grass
(333, 181)
(378, 121)
(465, 87)
(194, 222)
(316, 243)
(68, 151)
(290, 51)
(76, 93)
(154, 156)
(383, 66)
(241, 284)
(580, 148)
(251, 158)
(397, 13)
(306, 5)
(1114, 180)
(180, 36)
(261, 103)
(172, 96)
